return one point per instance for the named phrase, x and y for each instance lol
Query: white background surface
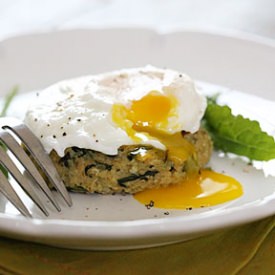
(27, 16)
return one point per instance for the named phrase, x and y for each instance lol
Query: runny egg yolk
(150, 110)
(147, 118)
(206, 189)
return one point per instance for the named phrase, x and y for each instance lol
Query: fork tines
(12, 133)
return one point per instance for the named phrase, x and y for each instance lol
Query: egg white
(78, 112)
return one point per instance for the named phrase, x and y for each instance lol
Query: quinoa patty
(133, 169)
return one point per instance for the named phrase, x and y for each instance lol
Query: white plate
(119, 222)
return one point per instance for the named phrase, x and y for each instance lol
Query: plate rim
(229, 33)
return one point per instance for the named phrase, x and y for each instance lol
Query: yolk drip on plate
(206, 189)
(147, 118)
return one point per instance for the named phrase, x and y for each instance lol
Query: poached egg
(131, 106)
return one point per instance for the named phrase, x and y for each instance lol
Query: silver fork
(12, 133)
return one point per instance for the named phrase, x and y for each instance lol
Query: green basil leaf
(236, 134)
